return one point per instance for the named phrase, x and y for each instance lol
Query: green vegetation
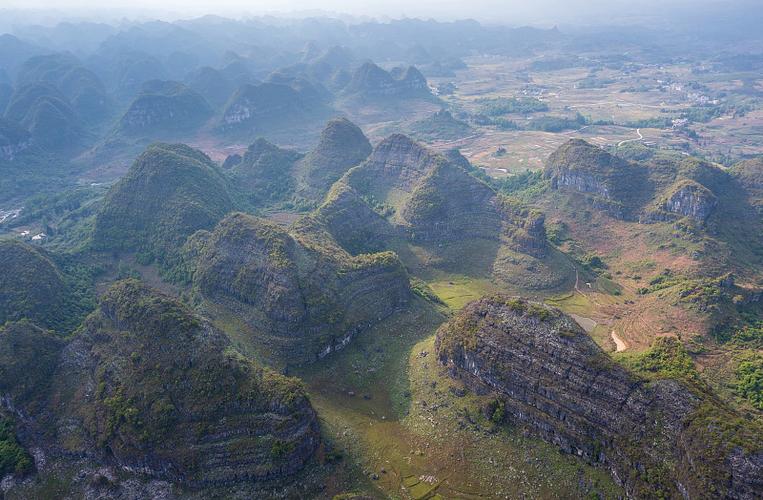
(13, 458)
(704, 294)
(749, 384)
(164, 108)
(170, 192)
(265, 174)
(441, 126)
(457, 291)
(179, 374)
(704, 114)
(36, 287)
(556, 123)
(522, 185)
(503, 106)
(342, 145)
(48, 115)
(666, 358)
(423, 290)
(35, 172)
(749, 334)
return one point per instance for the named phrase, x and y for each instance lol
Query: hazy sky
(499, 11)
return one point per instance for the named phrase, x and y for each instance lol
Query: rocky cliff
(13, 139)
(371, 82)
(406, 194)
(151, 388)
(661, 187)
(302, 298)
(660, 438)
(611, 182)
(690, 199)
(165, 108)
(270, 176)
(266, 106)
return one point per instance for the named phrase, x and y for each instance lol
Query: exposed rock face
(372, 82)
(427, 198)
(581, 167)
(525, 230)
(405, 192)
(656, 437)
(659, 188)
(165, 107)
(448, 204)
(691, 199)
(170, 192)
(13, 139)
(303, 298)
(255, 108)
(251, 102)
(152, 388)
(397, 163)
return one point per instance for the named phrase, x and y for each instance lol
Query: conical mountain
(171, 191)
(149, 387)
(342, 145)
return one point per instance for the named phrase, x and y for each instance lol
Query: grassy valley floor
(391, 410)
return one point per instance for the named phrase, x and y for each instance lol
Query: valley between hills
(268, 267)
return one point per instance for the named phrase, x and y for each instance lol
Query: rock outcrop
(690, 199)
(303, 298)
(371, 82)
(165, 108)
(269, 175)
(659, 188)
(13, 140)
(157, 391)
(663, 437)
(609, 181)
(266, 106)
(406, 194)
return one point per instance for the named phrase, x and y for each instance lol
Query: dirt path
(640, 138)
(619, 343)
(588, 324)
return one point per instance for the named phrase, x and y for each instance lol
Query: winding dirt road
(640, 138)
